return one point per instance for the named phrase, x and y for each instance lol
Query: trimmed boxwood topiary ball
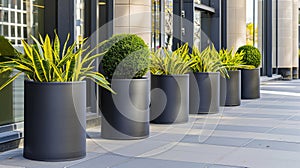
(252, 55)
(127, 57)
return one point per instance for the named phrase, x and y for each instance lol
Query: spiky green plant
(233, 61)
(164, 62)
(207, 61)
(44, 62)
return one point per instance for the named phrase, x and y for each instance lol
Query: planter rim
(134, 79)
(233, 70)
(251, 69)
(181, 75)
(54, 83)
(206, 72)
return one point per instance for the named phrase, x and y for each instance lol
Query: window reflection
(197, 29)
(156, 22)
(168, 23)
(162, 23)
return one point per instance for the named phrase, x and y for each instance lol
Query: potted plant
(125, 115)
(231, 86)
(170, 85)
(205, 81)
(55, 96)
(250, 76)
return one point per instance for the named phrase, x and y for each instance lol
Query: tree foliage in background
(249, 34)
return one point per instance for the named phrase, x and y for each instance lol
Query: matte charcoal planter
(6, 103)
(169, 99)
(233, 88)
(299, 69)
(54, 121)
(250, 83)
(125, 115)
(205, 93)
(223, 91)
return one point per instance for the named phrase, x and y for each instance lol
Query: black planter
(299, 69)
(54, 121)
(169, 99)
(223, 90)
(250, 83)
(205, 93)
(125, 115)
(6, 103)
(233, 88)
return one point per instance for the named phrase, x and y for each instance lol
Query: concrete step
(92, 120)
(10, 140)
(11, 127)
(10, 136)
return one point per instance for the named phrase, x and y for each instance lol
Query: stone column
(259, 25)
(295, 39)
(274, 31)
(236, 23)
(133, 16)
(285, 37)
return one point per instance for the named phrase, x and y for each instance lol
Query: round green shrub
(252, 55)
(127, 57)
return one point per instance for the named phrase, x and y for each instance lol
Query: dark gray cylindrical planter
(125, 115)
(205, 93)
(223, 90)
(299, 69)
(54, 121)
(250, 83)
(169, 99)
(233, 88)
(6, 103)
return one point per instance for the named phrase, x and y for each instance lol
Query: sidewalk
(263, 133)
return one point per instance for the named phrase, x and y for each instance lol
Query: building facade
(272, 26)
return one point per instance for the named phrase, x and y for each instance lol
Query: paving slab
(261, 133)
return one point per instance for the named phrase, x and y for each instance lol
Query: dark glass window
(13, 3)
(5, 3)
(19, 17)
(24, 19)
(5, 30)
(25, 32)
(5, 16)
(19, 30)
(19, 4)
(13, 31)
(12, 17)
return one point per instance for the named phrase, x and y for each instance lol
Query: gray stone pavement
(262, 133)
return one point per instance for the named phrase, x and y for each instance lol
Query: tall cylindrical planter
(250, 83)
(233, 88)
(6, 103)
(169, 99)
(125, 115)
(54, 121)
(299, 68)
(205, 93)
(223, 90)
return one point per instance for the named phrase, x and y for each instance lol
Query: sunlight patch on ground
(280, 93)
